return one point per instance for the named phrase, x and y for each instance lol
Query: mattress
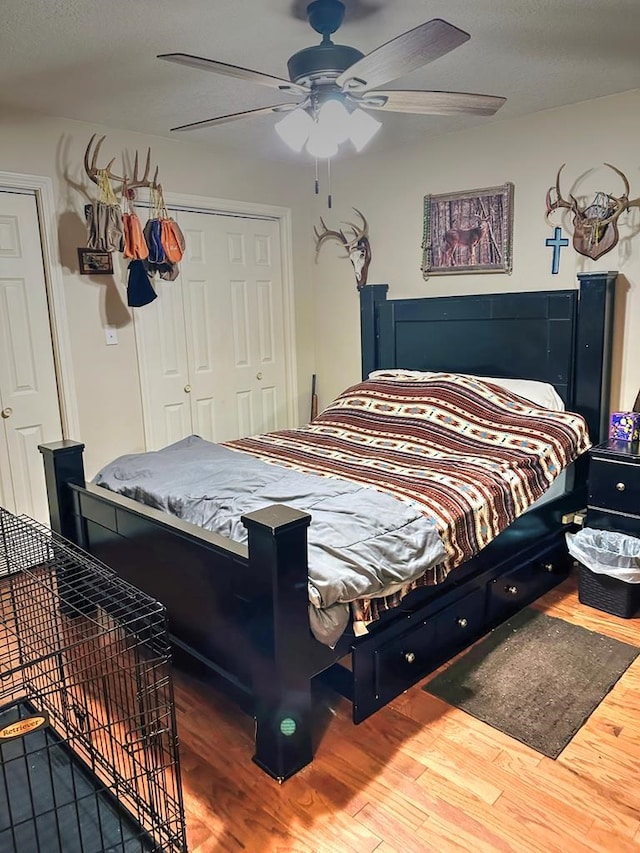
(405, 478)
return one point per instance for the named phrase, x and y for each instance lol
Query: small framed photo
(93, 262)
(469, 231)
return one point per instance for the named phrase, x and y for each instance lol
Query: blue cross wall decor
(557, 242)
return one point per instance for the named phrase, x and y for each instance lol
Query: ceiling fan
(340, 83)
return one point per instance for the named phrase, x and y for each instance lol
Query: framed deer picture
(469, 231)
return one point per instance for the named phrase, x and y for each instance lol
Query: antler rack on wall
(595, 224)
(358, 248)
(130, 183)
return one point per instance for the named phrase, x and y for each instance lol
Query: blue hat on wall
(139, 289)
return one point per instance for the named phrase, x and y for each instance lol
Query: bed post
(280, 665)
(63, 465)
(370, 296)
(593, 351)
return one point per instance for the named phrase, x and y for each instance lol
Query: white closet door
(28, 387)
(162, 355)
(232, 282)
(228, 371)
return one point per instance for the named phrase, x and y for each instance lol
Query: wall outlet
(110, 335)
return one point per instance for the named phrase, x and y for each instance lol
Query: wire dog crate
(88, 744)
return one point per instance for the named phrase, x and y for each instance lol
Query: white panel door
(203, 321)
(28, 388)
(232, 280)
(162, 352)
(228, 301)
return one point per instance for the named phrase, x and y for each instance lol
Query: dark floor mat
(536, 678)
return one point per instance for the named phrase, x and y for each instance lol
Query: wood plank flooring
(419, 776)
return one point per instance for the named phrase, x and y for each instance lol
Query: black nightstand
(614, 504)
(614, 487)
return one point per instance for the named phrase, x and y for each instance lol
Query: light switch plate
(110, 335)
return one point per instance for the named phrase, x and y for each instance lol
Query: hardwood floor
(419, 775)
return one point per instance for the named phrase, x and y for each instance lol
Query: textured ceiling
(96, 61)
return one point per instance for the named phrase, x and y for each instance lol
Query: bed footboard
(243, 611)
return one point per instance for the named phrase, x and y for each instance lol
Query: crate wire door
(88, 743)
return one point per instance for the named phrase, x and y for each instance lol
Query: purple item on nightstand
(625, 426)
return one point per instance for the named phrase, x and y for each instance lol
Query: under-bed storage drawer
(384, 668)
(383, 671)
(460, 623)
(402, 661)
(510, 592)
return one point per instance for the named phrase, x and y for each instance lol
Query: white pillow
(541, 393)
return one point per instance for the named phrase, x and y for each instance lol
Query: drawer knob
(409, 657)
(548, 567)
(512, 590)
(462, 622)
(620, 487)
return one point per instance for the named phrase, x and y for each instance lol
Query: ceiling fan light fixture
(294, 129)
(362, 128)
(322, 143)
(335, 120)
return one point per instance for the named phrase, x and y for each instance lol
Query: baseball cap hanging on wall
(164, 238)
(156, 249)
(135, 246)
(139, 288)
(104, 217)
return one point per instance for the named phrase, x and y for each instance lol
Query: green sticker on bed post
(288, 727)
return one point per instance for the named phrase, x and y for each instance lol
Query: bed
(242, 610)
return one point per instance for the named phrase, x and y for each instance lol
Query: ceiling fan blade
(431, 103)
(233, 71)
(402, 54)
(210, 122)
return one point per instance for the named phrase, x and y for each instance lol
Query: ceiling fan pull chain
(317, 182)
(329, 197)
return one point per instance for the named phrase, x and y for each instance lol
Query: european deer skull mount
(595, 229)
(358, 247)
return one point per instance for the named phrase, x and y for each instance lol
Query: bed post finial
(63, 465)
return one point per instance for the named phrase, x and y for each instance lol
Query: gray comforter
(362, 543)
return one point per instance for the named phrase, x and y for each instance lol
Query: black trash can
(609, 572)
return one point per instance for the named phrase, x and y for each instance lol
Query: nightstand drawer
(614, 485)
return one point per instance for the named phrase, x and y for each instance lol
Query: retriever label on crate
(24, 727)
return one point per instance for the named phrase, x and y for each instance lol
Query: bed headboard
(563, 337)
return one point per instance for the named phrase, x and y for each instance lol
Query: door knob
(6, 413)
(187, 389)
(258, 376)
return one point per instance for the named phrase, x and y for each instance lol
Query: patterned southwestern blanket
(465, 452)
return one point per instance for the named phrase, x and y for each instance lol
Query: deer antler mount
(94, 171)
(595, 226)
(357, 247)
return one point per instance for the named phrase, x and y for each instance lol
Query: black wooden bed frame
(242, 610)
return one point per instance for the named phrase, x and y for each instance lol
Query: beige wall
(389, 190)
(527, 152)
(106, 378)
